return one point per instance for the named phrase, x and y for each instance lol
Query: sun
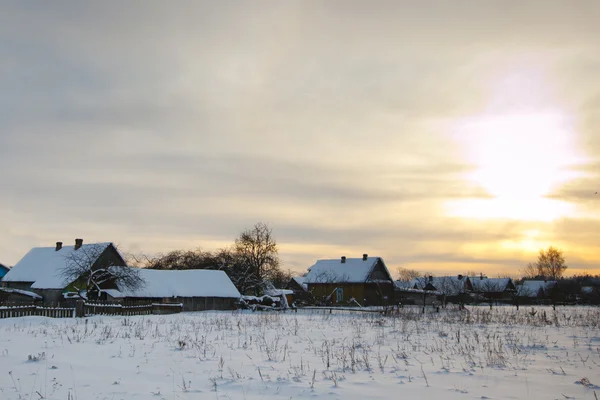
(519, 160)
(522, 148)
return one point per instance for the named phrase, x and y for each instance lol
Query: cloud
(160, 127)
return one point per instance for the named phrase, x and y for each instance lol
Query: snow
(354, 270)
(300, 280)
(181, 283)
(278, 292)
(489, 285)
(449, 285)
(532, 288)
(19, 291)
(474, 354)
(42, 266)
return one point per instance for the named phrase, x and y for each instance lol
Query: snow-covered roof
(22, 292)
(403, 284)
(180, 283)
(535, 288)
(42, 265)
(300, 280)
(489, 285)
(587, 290)
(278, 292)
(353, 270)
(448, 285)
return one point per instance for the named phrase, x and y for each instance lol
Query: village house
(496, 289)
(300, 290)
(536, 291)
(405, 293)
(40, 272)
(195, 289)
(362, 281)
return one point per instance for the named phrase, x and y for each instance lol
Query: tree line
(550, 265)
(251, 262)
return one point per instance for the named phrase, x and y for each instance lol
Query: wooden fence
(131, 310)
(88, 309)
(24, 311)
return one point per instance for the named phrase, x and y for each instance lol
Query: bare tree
(489, 289)
(531, 271)
(551, 262)
(407, 275)
(257, 250)
(182, 259)
(92, 267)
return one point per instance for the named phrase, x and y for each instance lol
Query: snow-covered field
(478, 354)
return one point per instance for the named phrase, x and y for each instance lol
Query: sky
(443, 136)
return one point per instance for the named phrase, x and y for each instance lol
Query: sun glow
(519, 159)
(522, 148)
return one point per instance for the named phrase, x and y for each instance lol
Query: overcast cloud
(161, 125)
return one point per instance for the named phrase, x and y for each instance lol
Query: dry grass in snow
(473, 354)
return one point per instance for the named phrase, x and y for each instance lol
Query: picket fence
(88, 309)
(25, 311)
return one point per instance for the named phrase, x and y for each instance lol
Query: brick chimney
(78, 243)
(58, 246)
(430, 278)
(365, 256)
(343, 259)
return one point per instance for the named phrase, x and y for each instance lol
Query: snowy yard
(479, 354)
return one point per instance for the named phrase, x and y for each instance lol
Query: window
(339, 295)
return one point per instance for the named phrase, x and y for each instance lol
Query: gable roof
(42, 265)
(535, 288)
(301, 281)
(4, 268)
(448, 285)
(180, 283)
(354, 270)
(489, 285)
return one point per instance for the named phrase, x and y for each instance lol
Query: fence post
(80, 308)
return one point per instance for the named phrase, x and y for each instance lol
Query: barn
(196, 289)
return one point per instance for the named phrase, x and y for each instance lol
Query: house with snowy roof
(300, 290)
(362, 281)
(195, 289)
(499, 289)
(446, 285)
(40, 272)
(536, 290)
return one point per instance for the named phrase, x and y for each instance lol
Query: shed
(196, 289)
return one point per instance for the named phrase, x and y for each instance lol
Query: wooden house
(536, 291)
(300, 291)
(496, 289)
(362, 281)
(40, 270)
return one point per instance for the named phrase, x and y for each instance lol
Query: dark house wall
(379, 272)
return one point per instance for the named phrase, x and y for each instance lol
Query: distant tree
(550, 264)
(90, 269)
(257, 251)
(280, 278)
(530, 271)
(180, 259)
(407, 275)
(520, 292)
